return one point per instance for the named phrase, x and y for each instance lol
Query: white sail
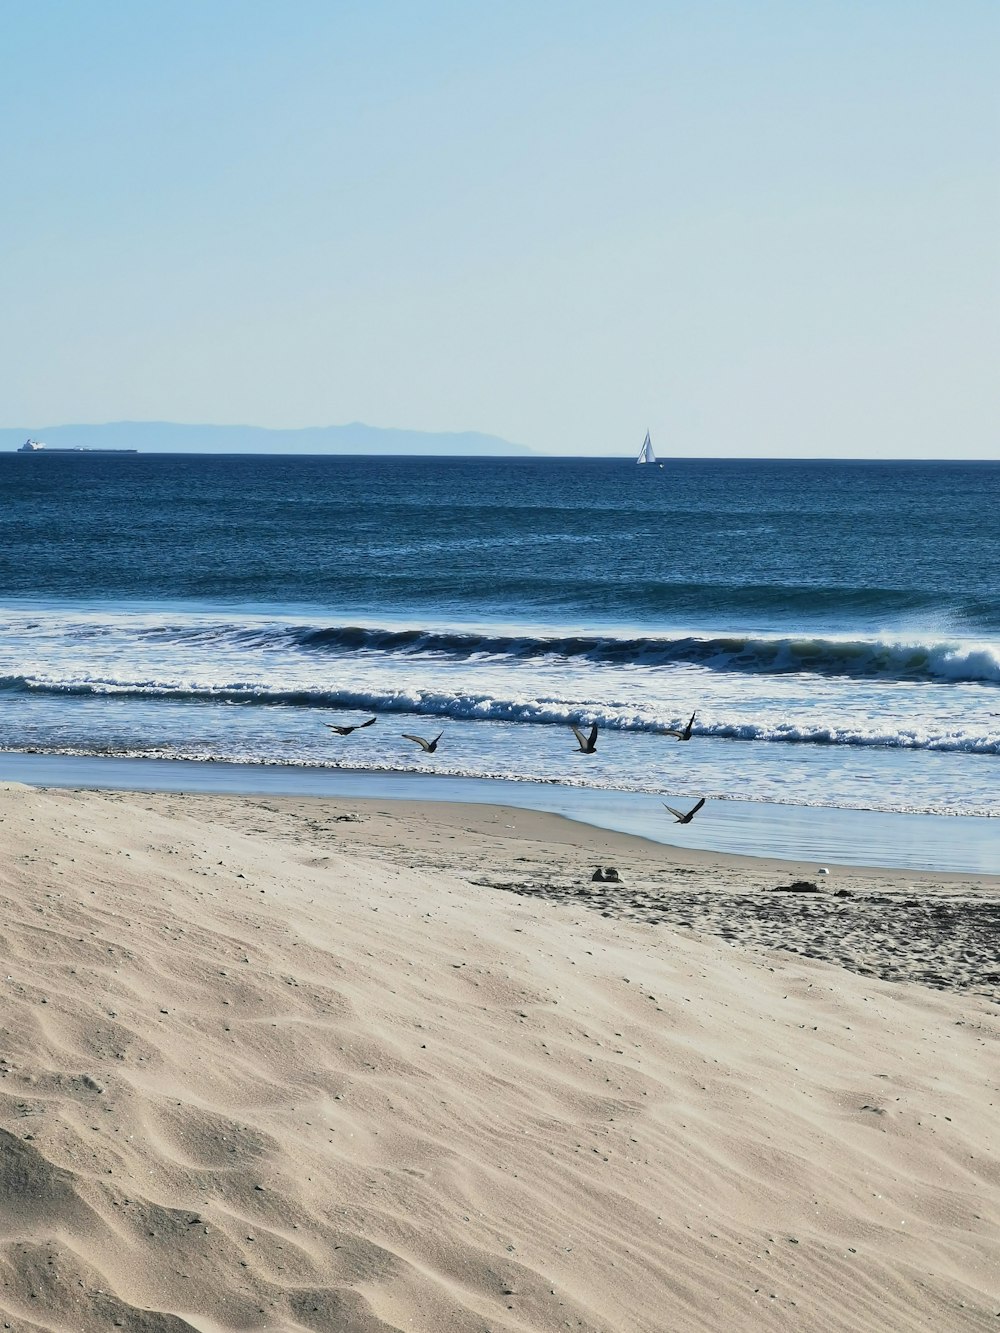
(646, 454)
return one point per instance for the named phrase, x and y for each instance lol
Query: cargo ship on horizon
(38, 447)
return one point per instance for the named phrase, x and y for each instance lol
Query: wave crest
(879, 657)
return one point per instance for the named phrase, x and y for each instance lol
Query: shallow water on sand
(749, 828)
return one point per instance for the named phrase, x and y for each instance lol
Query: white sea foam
(257, 689)
(812, 729)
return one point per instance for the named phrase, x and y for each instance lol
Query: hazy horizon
(178, 437)
(759, 232)
(80, 433)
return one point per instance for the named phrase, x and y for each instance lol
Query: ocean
(833, 627)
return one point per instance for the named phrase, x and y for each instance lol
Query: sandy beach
(291, 1063)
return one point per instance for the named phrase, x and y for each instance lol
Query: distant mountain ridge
(171, 437)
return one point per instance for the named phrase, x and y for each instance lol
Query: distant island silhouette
(155, 437)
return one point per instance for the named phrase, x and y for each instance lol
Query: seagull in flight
(429, 746)
(346, 731)
(679, 814)
(684, 735)
(588, 744)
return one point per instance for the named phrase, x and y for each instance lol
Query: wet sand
(863, 837)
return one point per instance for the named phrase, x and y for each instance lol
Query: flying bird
(588, 744)
(429, 746)
(680, 816)
(684, 735)
(346, 731)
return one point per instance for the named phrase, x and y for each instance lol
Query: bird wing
(676, 813)
(370, 723)
(695, 808)
(424, 745)
(691, 720)
(579, 736)
(341, 731)
(592, 738)
(671, 732)
(436, 739)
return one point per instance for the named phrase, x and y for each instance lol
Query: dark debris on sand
(949, 943)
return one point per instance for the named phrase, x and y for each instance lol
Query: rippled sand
(351, 1066)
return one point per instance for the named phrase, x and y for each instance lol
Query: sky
(757, 229)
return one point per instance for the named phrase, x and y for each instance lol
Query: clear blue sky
(757, 228)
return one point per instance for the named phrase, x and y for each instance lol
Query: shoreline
(937, 929)
(909, 842)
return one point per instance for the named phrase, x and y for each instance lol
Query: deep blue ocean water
(835, 627)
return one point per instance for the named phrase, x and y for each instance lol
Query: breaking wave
(875, 658)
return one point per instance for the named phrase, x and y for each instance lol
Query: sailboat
(646, 454)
